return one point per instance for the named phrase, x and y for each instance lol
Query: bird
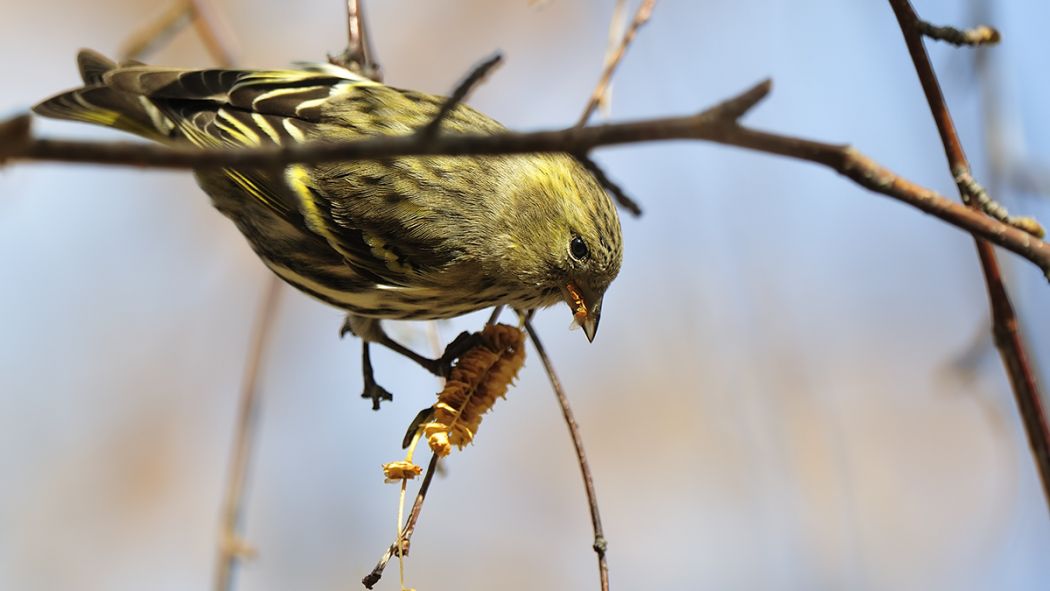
(416, 238)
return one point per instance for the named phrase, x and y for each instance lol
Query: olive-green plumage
(414, 237)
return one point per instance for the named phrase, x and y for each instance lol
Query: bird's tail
(99, 103)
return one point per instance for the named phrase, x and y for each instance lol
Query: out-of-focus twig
(231, 546)
(212, 30)
(1005, 326)
(616, 28)
(641, 16)
(401, 545)
(156, 33)
(600, 543)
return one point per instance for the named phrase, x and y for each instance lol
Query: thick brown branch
(716, 124)
(704, 125)
(1004, 321)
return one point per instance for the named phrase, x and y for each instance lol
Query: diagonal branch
(641, 16)
(600, 543)
(231, 546)
(1005, 326)
(460, 93)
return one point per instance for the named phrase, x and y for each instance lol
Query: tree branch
(460, 93)
(716, 124)
(231, 546)
(980, 35)
(600, 544)
(641, 16)
(401, 545)
(1005, 326)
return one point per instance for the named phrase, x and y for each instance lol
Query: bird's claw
(376, 393)
(442, 366)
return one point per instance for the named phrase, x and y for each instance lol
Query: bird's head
(567, 242)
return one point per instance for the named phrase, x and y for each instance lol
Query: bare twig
(641, 16)
(617, 25)
(157, 33)
(577, 442)
(621, 197)
(358, 55)
(1005, 326)
(979, 35)
(211, 29)
(214, 33)
(460, 93)
(406, 534)
(230, 546)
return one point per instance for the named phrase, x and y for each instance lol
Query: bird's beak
(586, 308)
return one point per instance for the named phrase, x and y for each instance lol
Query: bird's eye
(578, 248)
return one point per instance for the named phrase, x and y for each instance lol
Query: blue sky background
(793, 387)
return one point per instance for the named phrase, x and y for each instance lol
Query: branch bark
(1005, 326)
(716, 124)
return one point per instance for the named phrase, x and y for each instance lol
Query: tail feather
(93, 65)
(101, 104)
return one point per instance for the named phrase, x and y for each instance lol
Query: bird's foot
(376, 393)
(442, 366)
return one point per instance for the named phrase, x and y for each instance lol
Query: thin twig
(979, 35)
(358, 55)
(460, 93)
(157, 33)
(600, 543)
(1005, 326)
(410, 526)
(214, 33)
(641, 16)
(231, 548)
(621, 197)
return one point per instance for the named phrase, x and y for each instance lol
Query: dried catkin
(480, 376)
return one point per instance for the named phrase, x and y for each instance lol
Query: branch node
(973, 193)
(979, 35)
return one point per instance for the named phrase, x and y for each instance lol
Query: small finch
(400, 238)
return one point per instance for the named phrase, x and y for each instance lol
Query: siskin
(400, 238)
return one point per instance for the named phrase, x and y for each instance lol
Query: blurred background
(794, 386)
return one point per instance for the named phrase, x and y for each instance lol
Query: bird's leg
(371, 331)
(440, 366)
(372, 390)
(365, 329)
